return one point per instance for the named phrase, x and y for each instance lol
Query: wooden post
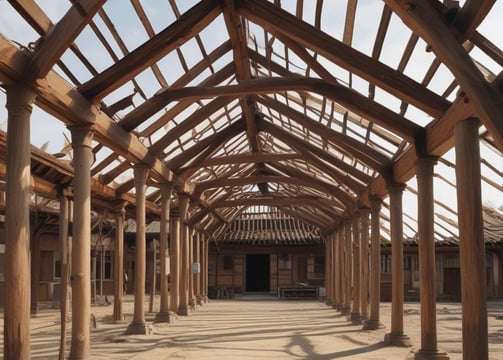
(197, 276)
(355, 308)
(17, 225)
(174, 260)
(119, 286)
(471, 239)
(63, 249)
(364, 261)
(426, 250)
(328, 270)
(138, 325)
(204, 268)
(81, 250)
(346, 310)
(163, 314)
(396, 336)
(338, 269)
(153, 273)
(375, 265)
(183, 307)
(192, 301)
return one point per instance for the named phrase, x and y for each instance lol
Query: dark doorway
(257, 272)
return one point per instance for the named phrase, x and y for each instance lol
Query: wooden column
(197, 276)
(64, 246)
(364, 261)
(328, 270)
(338, 269)
(119, 213)
(192, 296)
(183, 307)
(17, 225)
(204, 268)
(375, 265)
(346, 309)
(163, 314)
(426, 250)
(174, 260)
(396, 336)
(471, 239)
(355, 308)
(138, 325)
(81, 250)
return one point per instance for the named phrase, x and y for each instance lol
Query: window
(107, 275)
(57, 266)
(2, 259)
(284, 262)
(228, 262)
(386, 264)
(319, 264)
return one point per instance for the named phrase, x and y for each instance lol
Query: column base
(139, 328)
(336, 306)
(162, 317)
(355, 318)
(205, 298)
(430, 355)
(183, 310)
(400, 340)
(199, 300)
(345, 310)
(329, 302)
(372, 325)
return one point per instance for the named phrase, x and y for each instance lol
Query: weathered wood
(274, 19)
(428, 23)
(62, 35)
(190, 23)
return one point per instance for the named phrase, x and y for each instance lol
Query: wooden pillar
(163, 314)
(17, 225)
(338, 269)
(364, 261)
(119, 286)
(346, 309)
(471, 239)
(396, 336)
(192, 293)
(328, 270)
(197, 275)
(426, 251)
(355, 307)
(81, 250)
(174, 260)
(204, 268)
(138, 326)
(64, 246)
(375, 265)
(183, 307)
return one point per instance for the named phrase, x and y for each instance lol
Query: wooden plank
(357, 103)
(274, 20)
(189, 24)
(429, 23)
(60, 99)
(364, 153)
(62, 35)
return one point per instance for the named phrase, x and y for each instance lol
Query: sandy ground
(260, 327)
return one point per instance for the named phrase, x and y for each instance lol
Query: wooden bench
(297, 293)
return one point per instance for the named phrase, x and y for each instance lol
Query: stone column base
(355, 318)
(336, 306)
(430, 355)
(345, 310)
(372, 325)
(183, 310)
(162, 317)
(139, 328)
(400, 340)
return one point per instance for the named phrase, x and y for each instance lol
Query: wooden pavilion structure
(189, 112)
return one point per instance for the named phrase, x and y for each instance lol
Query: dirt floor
(259, 327)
